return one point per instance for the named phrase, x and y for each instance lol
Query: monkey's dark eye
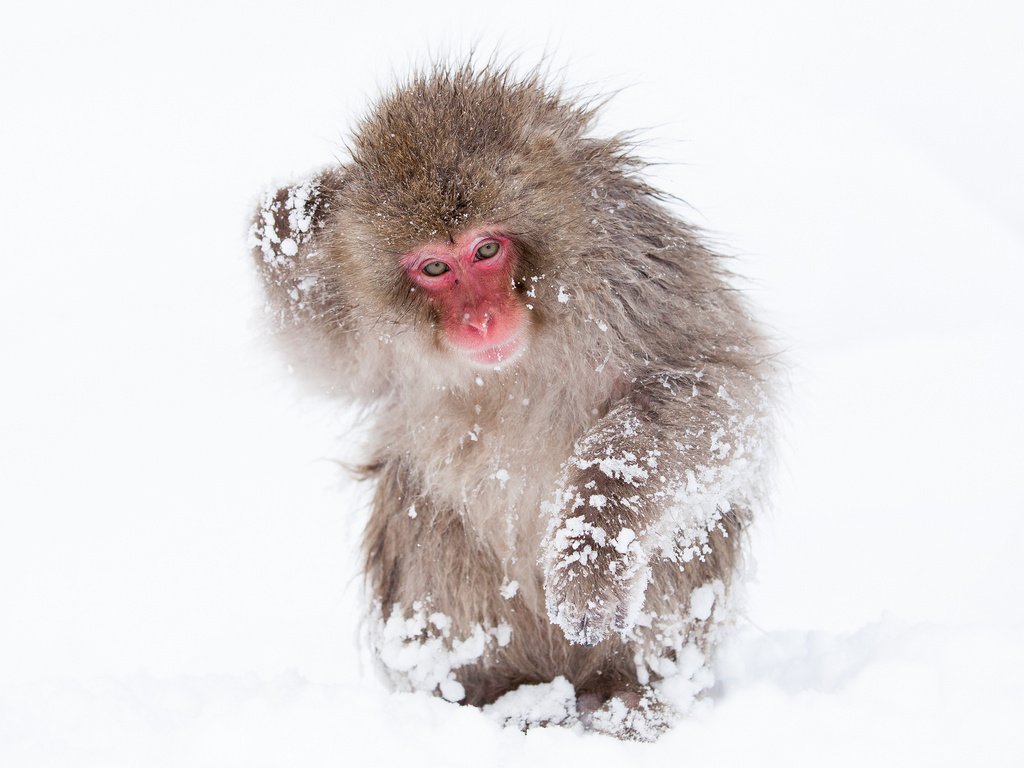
(435, 268)
(487, 250)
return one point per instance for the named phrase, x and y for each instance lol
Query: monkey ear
(286, 238)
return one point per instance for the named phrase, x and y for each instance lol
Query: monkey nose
(477, 320)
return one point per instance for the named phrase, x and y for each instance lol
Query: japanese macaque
(570, 401)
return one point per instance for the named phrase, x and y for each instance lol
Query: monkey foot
(536, 706)
(628, 715)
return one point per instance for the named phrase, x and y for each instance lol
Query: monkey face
(469, 284)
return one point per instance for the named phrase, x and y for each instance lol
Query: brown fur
(639, 351)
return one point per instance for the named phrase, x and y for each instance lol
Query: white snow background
(179, 582)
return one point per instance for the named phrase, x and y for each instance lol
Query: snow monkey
(570, 401)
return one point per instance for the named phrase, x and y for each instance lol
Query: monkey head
(470, 208)
(461, 192)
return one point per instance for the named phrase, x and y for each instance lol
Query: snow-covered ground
(178, 578)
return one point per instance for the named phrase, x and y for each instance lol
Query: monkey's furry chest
(492, 474)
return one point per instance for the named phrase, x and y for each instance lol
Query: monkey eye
(487, 250)
(435, 268)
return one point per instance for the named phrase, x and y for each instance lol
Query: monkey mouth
(499, 354)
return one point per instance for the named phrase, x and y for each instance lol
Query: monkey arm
(286, 240)
(303, 278)
(676, 460)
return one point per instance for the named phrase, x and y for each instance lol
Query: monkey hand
(595, 570)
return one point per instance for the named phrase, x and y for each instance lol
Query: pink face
(470, 283)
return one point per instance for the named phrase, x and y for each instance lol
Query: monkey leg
(445, 624)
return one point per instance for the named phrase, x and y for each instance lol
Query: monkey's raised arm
(303, 272)
(286, 238)
(668, 473)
